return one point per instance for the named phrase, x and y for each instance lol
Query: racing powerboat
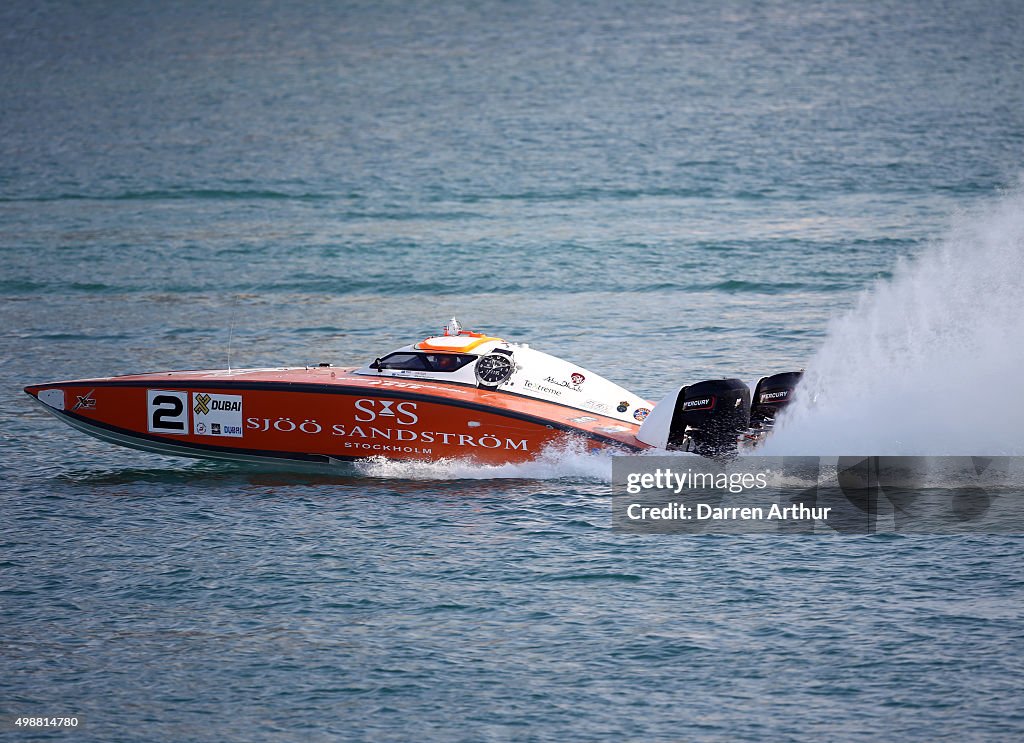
(461, 394)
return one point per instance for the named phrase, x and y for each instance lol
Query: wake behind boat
(462, 395)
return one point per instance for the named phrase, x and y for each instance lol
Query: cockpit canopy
(462, 357)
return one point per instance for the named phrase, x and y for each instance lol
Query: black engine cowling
(708, 417)
(771, 396)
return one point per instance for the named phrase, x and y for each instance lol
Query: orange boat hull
(321, 415)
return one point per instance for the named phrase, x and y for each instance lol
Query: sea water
(662, 192)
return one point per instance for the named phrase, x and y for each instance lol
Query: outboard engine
(771, 396)
(704, 418)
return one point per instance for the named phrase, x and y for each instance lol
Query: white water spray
(566, 459)
(929, 362)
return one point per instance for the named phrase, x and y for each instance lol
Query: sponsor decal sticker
(573, 385)
(379, 429)
(769, 396)
(410, 386)
(403, 413)
(704, 403)
(167, 411)
(541, 388)
(578, 378)
(216, 415)
(583, 419)
(623, 406)
(641, 413)
(85, 401)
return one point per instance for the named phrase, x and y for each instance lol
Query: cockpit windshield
(432, 362)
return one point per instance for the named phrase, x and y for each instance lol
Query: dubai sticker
(216, 415)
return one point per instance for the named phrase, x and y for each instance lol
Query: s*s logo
(403, 413)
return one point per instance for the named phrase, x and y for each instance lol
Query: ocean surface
(660, 191)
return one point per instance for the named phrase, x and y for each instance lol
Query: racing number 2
(167, 411)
